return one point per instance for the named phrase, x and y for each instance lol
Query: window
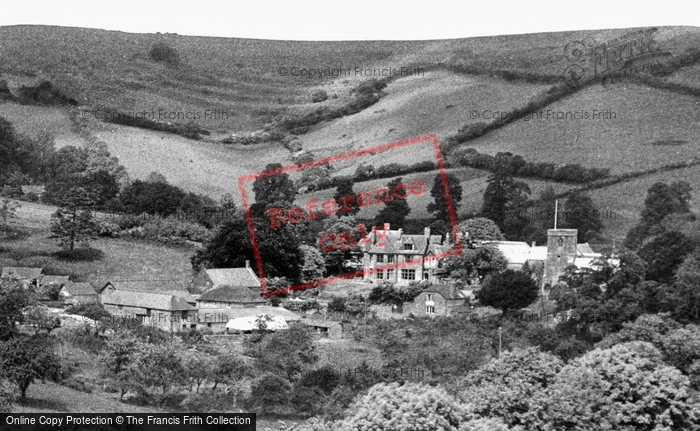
(390, 258)
(430, 309)
(408, 246)
(380, 275)
(380, 258)
(408, 274)
(430, 297)
(389, 274)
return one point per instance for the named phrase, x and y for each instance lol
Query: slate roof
(446, 291)
(78, 289)
(155, 286)
(228, 293)
(21, 273)
(233, 276)
(154, 301)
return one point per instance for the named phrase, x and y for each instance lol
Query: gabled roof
(76, 289)
(154, 301)
(233, 276)
(155, 286)
(447, 292)
(585, 250)
(54, 279)
(228, 293)
(21, 273)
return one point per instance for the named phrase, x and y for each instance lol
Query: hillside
(653, 126)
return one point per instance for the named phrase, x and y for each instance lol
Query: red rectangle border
(380, 148)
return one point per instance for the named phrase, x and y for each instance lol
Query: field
(120, 259)
(637, 138)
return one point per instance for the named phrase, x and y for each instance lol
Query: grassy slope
(53, 398)
(122, 260)
(623, 144)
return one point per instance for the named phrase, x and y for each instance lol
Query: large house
(208, 279)
(392, 255)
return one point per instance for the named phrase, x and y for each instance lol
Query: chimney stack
(400, 232)
(247, 264)
(426, 232)
(386, 226)
(533, 244)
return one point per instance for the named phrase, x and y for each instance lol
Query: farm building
(78, 293)
(208, 279)
(26, 276)
(167, 287)
(228, 296)
(326, 328)
(166, 311)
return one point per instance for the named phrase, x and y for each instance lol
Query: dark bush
(164, 53)
(319, 96)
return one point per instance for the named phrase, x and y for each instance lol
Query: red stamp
(314, 207)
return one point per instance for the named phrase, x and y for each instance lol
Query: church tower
(561, 252)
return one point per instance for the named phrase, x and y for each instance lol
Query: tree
(230, 369)
(117, 361)
(26, 359)
(274, 187)
(345, 188)
(158, 366)
(156, 178)
(407, 407)
(472, 266)
(8, 213)
(439, 207)
(343, 249)
(231, 247)
(198, 367)
(152, 198)
(582, 214)
(395, 210)
(662, 200)
(682, 298)
(504, 387)
(540, 217)
(39, 317)
(481, 229)
(288, 352)
(508, 290)
(504, 197)
(314, 266)
(664, 254)
(269, 393)
(73, 222)
(625, 387)
(13, 299)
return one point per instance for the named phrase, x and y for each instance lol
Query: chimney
(533, 244)
(426, 232)
(447, 238)
(247, 264)
(386, 226)
(400, 232)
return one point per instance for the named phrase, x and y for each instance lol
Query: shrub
(406, 407)
(164, 53)
(319, 96)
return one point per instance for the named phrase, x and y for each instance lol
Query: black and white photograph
(358, 216)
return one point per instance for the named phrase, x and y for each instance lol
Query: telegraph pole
(500, 340)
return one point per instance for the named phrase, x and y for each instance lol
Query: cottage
(391, 255)
(166, 311)
(326, 328)
(78, 293)
(210, 278)
(26, 276)
(438, 301)
(166, 287)
(227, 296)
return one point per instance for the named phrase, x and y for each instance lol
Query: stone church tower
(561, 252)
